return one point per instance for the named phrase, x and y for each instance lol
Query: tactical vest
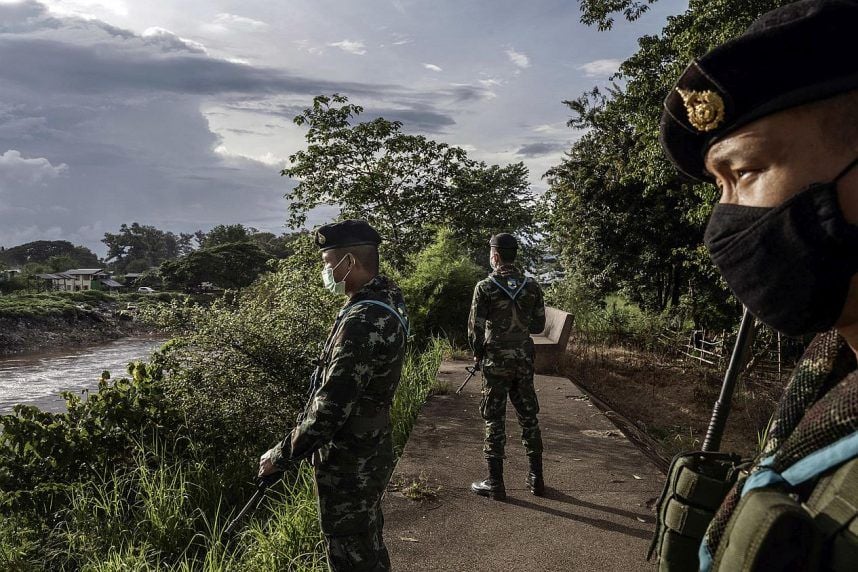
(770, 528)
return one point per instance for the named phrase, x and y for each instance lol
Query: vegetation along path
(596, 514)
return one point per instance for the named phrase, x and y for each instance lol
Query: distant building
(80, 279)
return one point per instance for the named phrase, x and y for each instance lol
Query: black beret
(796, 54)
(504, 241)
(346, 233)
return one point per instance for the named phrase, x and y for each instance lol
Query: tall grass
(419, 375)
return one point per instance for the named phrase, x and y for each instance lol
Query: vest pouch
(696, 485)
(769, 531)
(834, 506)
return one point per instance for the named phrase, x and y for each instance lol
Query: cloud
(432, 67)
(356, 48)
(541, 148)
(233, 20)
(519, 59)
(600, 68)
(15, 169)
(424, 120)
(170, 42)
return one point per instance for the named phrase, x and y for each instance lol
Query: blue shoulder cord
(402, 319)
(512, 295)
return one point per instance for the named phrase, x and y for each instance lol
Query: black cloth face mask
(791, 265)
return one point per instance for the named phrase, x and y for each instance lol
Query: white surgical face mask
(328, 278)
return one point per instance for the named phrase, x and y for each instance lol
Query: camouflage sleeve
(477, 321)
(348, 371)
(537, 321)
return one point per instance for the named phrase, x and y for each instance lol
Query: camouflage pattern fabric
(496, 319)
(346, 426)
(818, 407)
(499, 328)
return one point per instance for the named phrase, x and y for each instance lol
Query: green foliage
(228, 265)
(137, 248)
(61, 252)
(401, 184)
(42, 453)
(619, 212)
(145, 473)
(419, 375)
(50, 304)
(250, 347)
(438, 291)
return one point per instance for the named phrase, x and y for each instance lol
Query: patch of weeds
(416, 489)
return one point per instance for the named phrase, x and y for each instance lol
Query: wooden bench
(550, 344)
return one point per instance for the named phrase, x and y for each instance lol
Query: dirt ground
(671, 399)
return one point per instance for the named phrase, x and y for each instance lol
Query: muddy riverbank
(19, 335)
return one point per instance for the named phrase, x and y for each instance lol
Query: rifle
(721, 410)
(472, 371)
(261, 488)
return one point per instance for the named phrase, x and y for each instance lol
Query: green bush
(439, 290)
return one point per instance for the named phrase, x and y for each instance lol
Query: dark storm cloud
(541, 148)
(414, 119)
(47, 64)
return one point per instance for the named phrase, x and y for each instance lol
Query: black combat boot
(534, 475)
(492, 487)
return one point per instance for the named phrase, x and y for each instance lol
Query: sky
(178, 113)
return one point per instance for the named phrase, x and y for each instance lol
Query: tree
(226, 233)
(621, 214)
(275, 246)
(144, 246)
(41, 251)
(231, 265)
(404, 185)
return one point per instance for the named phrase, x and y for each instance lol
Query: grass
(419, 374)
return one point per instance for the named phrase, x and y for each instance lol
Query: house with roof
(80, 279)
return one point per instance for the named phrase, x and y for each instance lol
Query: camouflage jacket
(506, 309)
(349, 411)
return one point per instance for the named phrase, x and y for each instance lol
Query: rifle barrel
(721, 410)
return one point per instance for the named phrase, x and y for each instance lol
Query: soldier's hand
(266, 465)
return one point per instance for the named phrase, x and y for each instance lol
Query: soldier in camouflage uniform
(506, 309)
(346, 427)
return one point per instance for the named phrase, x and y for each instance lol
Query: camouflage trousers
(349, 503)
(509, 372)
(364, 552)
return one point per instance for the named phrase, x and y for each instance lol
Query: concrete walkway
(596, 514)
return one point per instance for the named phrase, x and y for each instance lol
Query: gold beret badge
(320, 238)
(705, 108)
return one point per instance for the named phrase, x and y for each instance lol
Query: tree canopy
(137, 248)
(51, 253)
(619, 212)
(404, 185)
(230, 265)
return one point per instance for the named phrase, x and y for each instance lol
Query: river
(38, 379)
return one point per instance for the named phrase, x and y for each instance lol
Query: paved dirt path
(595, 516)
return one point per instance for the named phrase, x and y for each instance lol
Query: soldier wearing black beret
(772, 118)
(507, 307)
(345, 428)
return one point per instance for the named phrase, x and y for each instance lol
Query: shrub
(438, 292)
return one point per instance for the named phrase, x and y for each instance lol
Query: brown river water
(38, 378)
